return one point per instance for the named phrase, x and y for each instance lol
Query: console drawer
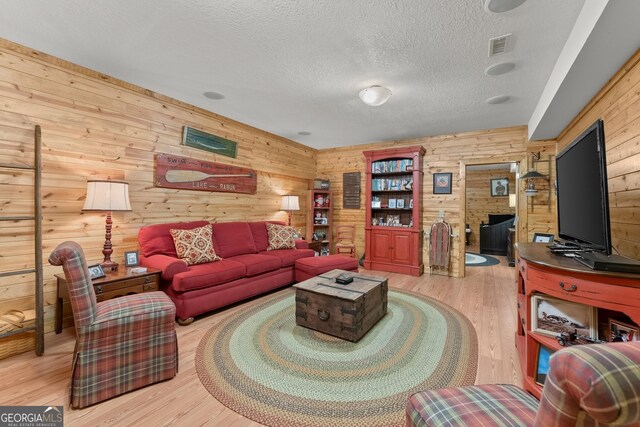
(580, 290)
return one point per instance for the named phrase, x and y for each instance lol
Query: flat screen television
(582, 191)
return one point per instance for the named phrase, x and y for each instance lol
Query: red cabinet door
(381, 245)
(402, 247)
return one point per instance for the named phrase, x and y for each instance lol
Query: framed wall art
(205, 141)
(442, 183)
(499, 187)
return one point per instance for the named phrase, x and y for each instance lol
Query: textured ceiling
(289, 66)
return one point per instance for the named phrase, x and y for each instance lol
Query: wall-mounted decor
(351, 190)
(500, 187)
(442, 183)
(190, 174)
(205, 141)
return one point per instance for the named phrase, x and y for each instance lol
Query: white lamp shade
(107, 196)
(375, 95)
(289, 203)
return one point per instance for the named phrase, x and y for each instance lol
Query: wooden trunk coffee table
(346, 311)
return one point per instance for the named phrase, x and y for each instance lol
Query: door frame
(463, 200)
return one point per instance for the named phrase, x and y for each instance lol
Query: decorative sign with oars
(190, 174)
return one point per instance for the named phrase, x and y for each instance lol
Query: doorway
(489, 189)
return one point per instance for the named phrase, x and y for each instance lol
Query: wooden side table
(114, 284)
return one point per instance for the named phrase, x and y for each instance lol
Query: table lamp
(107, 196)
(289, 204)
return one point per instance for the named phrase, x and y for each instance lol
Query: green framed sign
(205, 141)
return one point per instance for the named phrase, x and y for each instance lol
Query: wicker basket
(17, 343)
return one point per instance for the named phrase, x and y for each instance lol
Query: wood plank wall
(445, 153)
(480, 203)
(618, 104)
(95, 126)
(537, 214)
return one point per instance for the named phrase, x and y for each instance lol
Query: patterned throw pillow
(280, 237)
(194, 246)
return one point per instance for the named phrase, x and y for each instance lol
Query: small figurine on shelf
(326, 201)
(319, 201)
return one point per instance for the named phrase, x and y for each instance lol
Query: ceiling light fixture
(500, 68)
(214, 95)
(501, 6)
(304, 133)
(375, 95)
(500, 99)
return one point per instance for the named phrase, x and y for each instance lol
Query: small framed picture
(400, 203)
(499, 187)
(392, 203)
(543, 238)
(410, 203)
(622, 332)
(131, 259)
(542, 363)
(442, 183)
(552, 316)
(96, 271)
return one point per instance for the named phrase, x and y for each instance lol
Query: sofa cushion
(257, 264)
(207, 275)
(288, 257)
(233, 238)
(194, 246)
(307, 268)
(280, 237)
(156, 239)
(260, 235)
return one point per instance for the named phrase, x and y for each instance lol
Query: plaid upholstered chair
(587, 385)
(121, 344)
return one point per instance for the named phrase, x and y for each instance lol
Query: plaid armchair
(587, 385)
(121, 344)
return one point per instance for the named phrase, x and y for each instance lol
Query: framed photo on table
(442, 183)
(96, 271)
(499, 187)
(131, 259)
(543, 238)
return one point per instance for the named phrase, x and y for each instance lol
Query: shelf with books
(321, 221)
(393, 227)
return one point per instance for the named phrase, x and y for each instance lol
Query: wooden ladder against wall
(37, 267)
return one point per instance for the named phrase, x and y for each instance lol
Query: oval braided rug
(263, 366)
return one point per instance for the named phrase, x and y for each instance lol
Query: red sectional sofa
(246, 269)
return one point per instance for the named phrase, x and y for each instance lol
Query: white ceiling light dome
(500, 99)
(375, 95)
(500, 68)
(501, 6)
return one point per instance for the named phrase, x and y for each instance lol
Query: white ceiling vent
(499, 45)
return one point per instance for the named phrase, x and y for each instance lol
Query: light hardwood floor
(487, 296)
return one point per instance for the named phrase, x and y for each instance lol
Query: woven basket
(17, 343)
